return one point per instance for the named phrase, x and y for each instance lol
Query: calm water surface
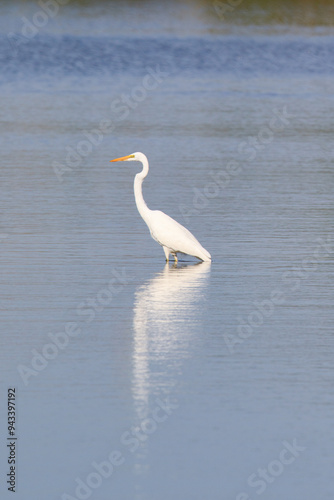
(191, 378)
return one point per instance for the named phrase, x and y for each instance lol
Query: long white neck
(140, 202)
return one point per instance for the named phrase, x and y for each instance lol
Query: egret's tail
(204, 255)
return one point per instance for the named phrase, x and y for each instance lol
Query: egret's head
(133, 157)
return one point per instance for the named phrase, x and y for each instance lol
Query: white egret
(172, 236)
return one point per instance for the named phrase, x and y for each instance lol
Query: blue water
(159, 382)
(79, 56)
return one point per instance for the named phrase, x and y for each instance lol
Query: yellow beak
(123, 158)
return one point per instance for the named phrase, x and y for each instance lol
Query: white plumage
(171, 235)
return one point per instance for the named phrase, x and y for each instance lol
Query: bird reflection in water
(167, 319)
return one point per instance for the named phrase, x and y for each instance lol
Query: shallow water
(190, 378)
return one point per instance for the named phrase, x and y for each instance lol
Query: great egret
(172, 236)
